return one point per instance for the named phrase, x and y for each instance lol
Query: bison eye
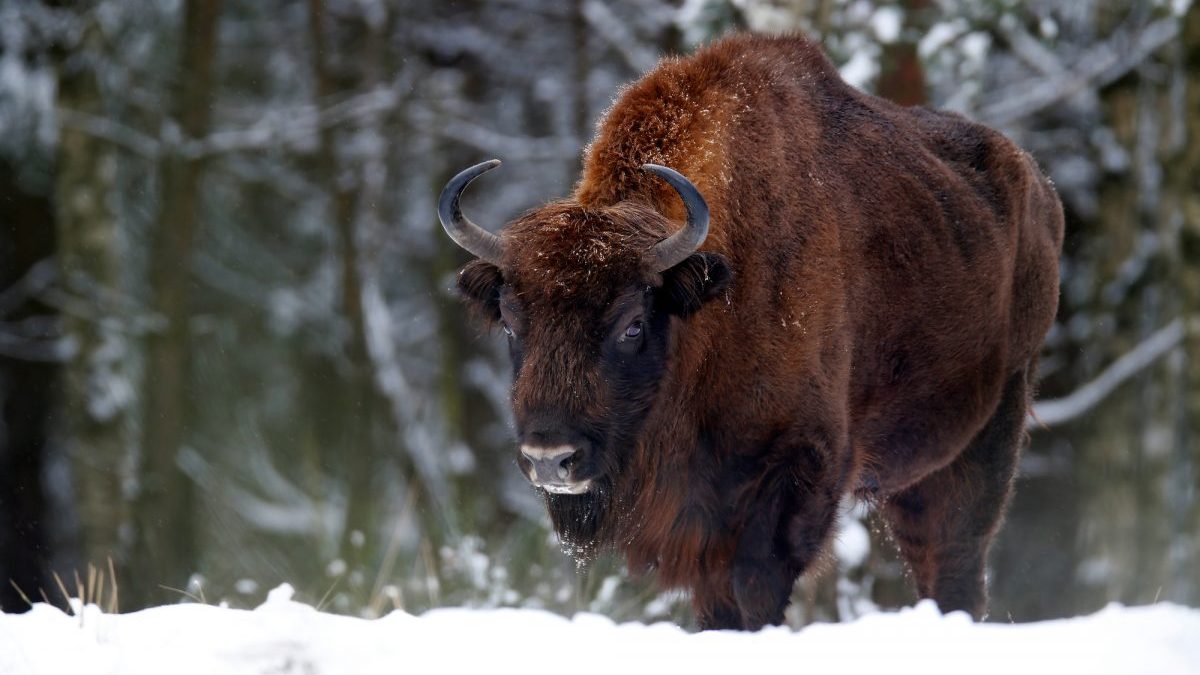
(507, 329)
(634, 330)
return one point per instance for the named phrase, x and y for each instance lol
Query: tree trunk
(1182, 201)
(167, 546)
(1109, 439)
(463, 412)
(99, 398)
(1127, 445)
(902, 78)
(357, 402)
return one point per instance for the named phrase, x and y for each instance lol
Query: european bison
(854, 303)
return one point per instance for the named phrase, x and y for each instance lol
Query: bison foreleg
(763, 575)
(789, 523)
(714, 610)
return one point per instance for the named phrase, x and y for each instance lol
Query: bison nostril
(548, 464)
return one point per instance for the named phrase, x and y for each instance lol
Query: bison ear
(479, 283)
(693, 282)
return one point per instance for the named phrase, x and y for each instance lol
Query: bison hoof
(762, 591)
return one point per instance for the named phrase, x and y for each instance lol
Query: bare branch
(1058, 411)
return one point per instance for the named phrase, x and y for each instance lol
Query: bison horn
(478, 241)
(676, 248)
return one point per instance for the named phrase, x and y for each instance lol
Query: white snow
(283, 636)
(940, 35)
(975, 46)
(852, 544)
(862, 67)
(887, 22)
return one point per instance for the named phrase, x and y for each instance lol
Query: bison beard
(853, 305)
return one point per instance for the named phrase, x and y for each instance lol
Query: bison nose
(548, 465)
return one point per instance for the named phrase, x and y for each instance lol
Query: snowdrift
(283, 636)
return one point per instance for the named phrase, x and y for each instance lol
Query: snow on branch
(39, 276)
(509, 146)
(614, 31)
(1098, 66)
(1057, 411)
(112, 131)
(33, 338)
(297, 127)
(15, 345)
(1031, 51)
(293, 127)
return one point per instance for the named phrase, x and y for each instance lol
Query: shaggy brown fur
(864, 316)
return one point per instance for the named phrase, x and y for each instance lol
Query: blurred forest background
(230, 354)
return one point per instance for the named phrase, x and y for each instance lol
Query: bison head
(588, 298)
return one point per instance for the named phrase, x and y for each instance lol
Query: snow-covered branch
(392, 382)
(40, 275)
(298, 126)
(112, 131)
(16, 346)
(80, 296)
(1030, 50)
(509, 146)
(616, 33)
(291, 127)
(1060, 410)
(33, 338)
(1098, 66)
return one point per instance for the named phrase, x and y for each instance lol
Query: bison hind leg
(945, 523)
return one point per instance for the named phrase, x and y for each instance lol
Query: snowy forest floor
(283, 636)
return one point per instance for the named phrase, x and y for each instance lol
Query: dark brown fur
(894, 271)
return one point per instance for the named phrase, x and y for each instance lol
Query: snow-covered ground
(283, 636)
